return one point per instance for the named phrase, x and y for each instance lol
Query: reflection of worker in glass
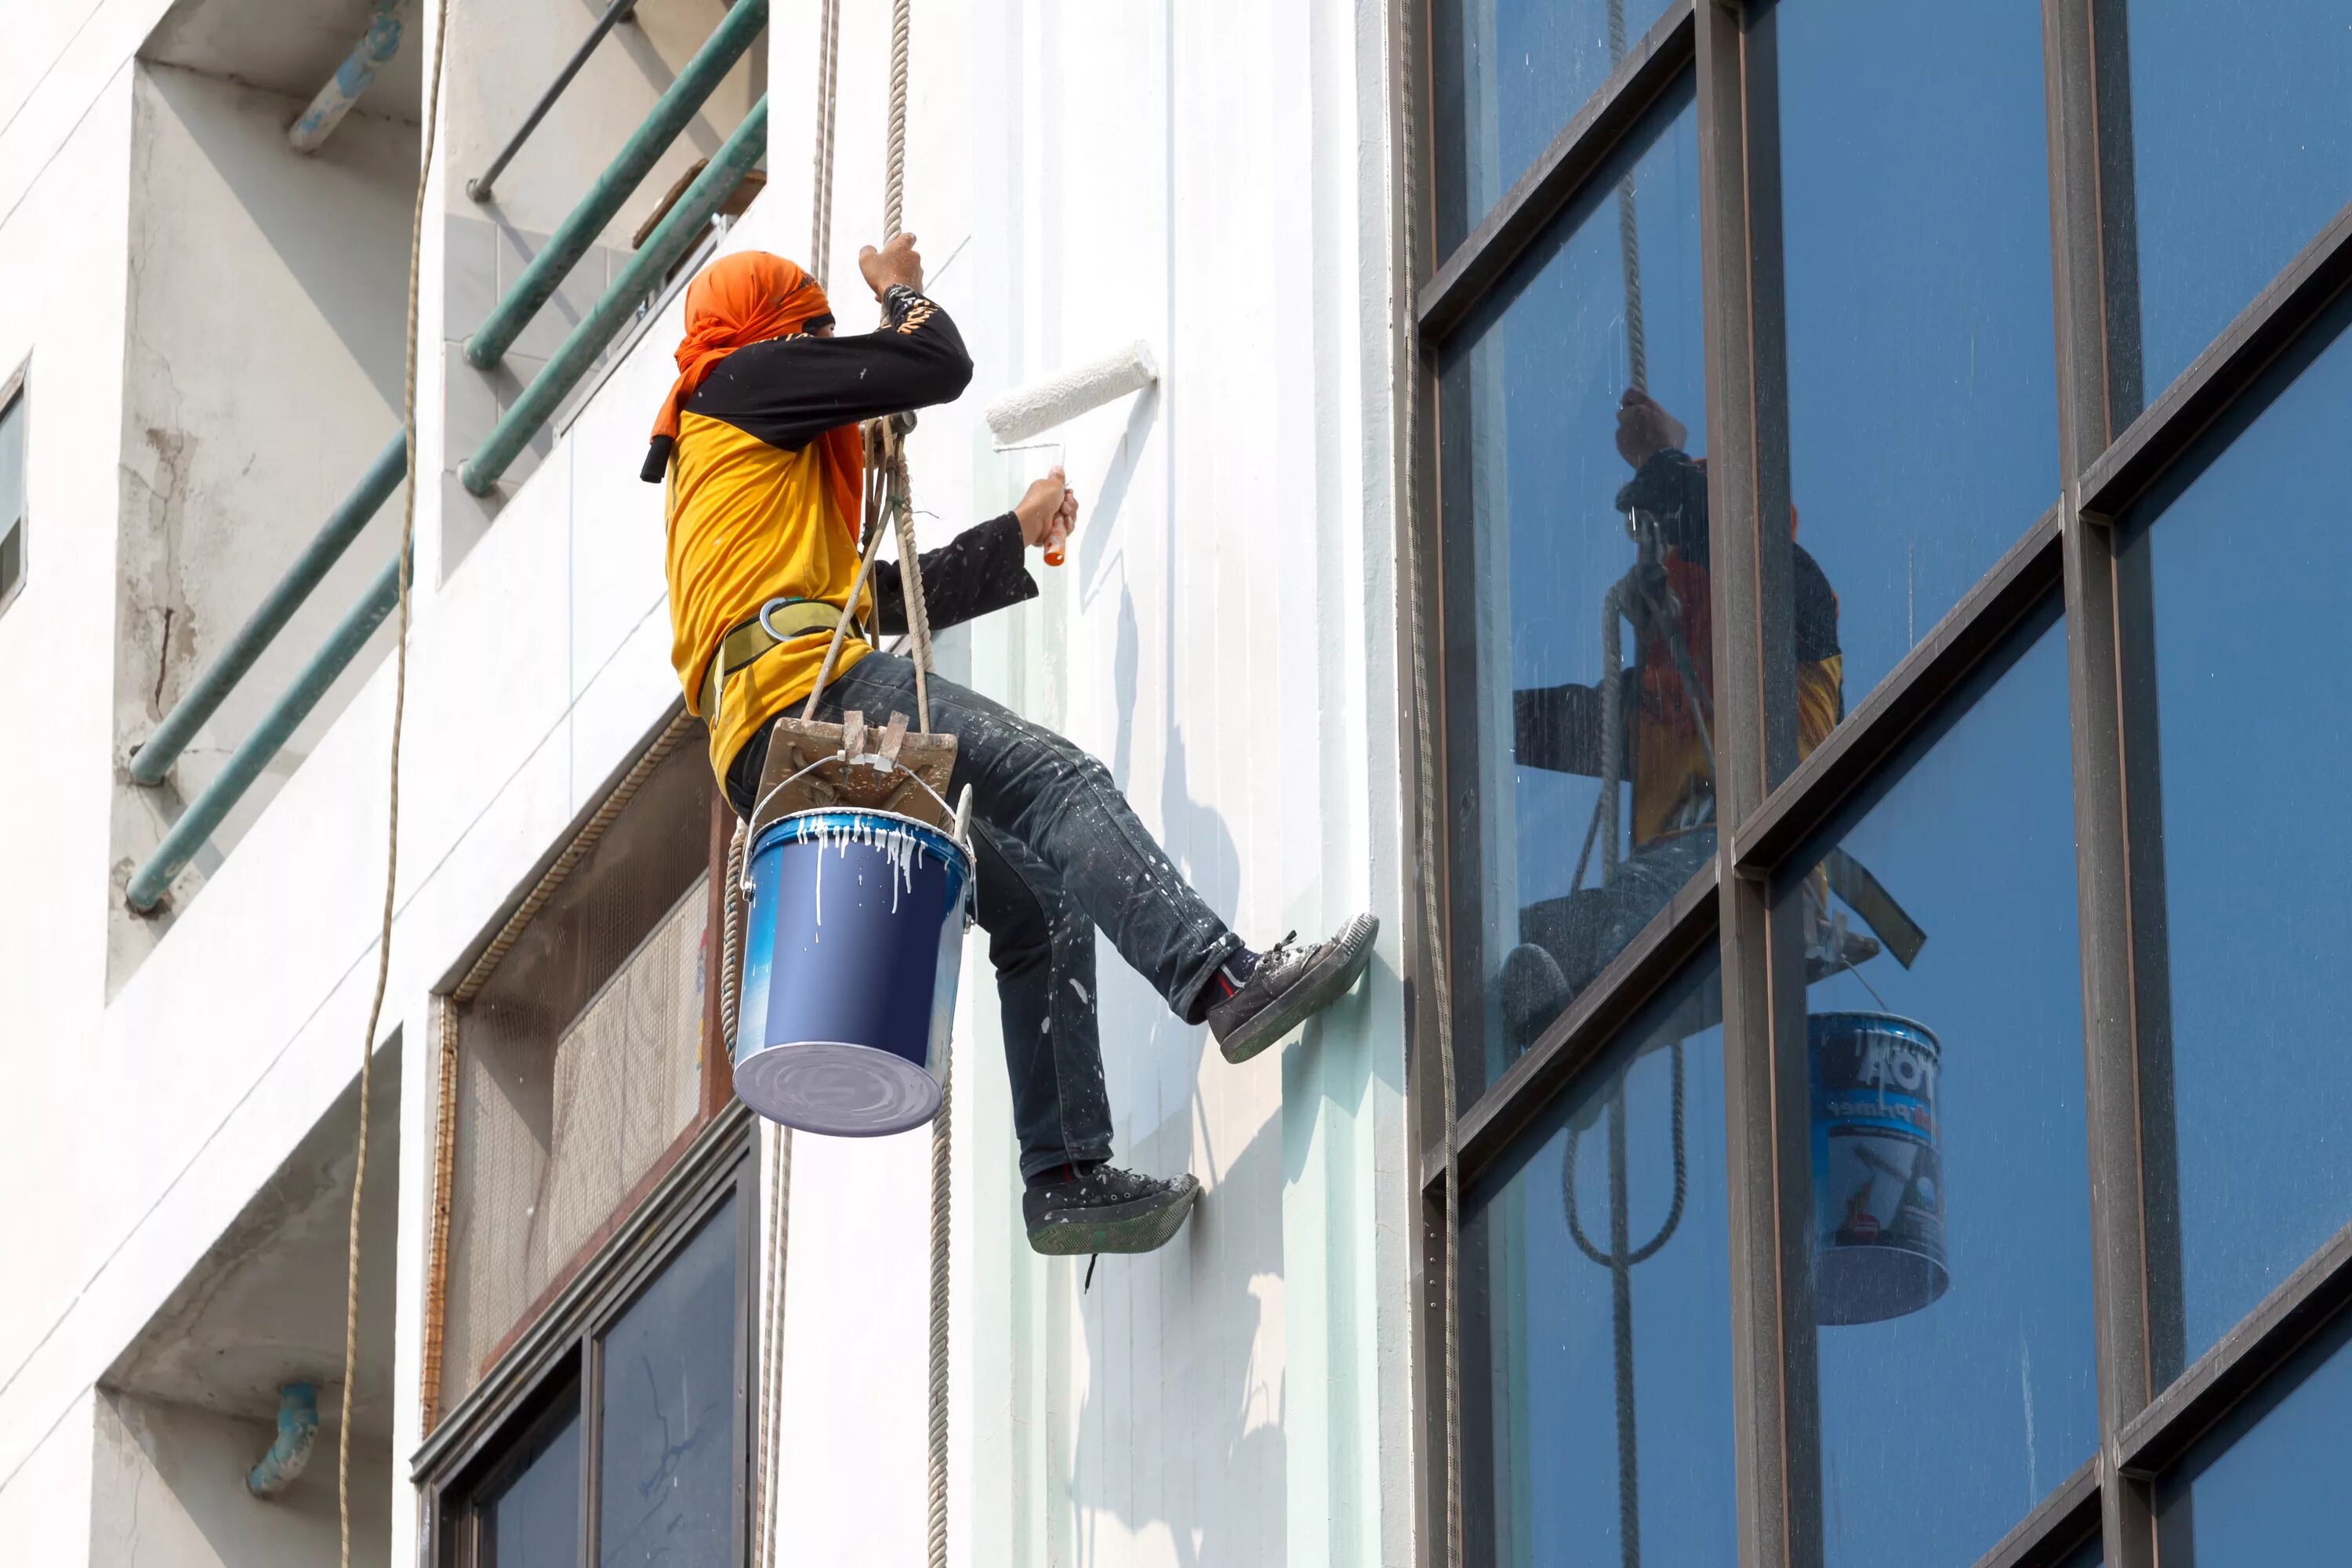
(1663, 746)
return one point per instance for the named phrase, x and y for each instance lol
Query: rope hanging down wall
(392, 825)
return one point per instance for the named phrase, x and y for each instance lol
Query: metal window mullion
(1776, 1431)
(1488, 1126)
(2102, 871)
(1413, 479)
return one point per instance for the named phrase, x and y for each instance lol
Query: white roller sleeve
(1032, 410)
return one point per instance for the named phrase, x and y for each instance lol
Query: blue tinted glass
(535, 1520)
(1509, 74)
(2087, 1555)
(1950, 1189)
(668, 1467)
(2240, 150)
(2233, 601)
(1597, 1394)
(1923, 424)
(2261, 1490)
(1566, 847)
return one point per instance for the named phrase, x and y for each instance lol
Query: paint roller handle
(1047, 512)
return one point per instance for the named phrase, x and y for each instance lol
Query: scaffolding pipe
(668, 242)
(645, 147)
(478, 187)
(370, 55)
(154, 759)
(197, 824)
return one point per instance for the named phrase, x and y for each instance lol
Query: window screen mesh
(580, 1064)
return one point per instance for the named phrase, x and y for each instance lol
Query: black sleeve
(978, 571)
(788, 391)
(1671, 486)
(1816, 608)
(1559, 728)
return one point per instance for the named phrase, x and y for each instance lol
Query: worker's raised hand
(1645, 429)
(1047, 513)
(896, 262)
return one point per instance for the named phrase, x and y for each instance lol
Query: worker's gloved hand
(896, 262)
(1048, 513)
(1645, 429)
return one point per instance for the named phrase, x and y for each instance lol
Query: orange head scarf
(750, 297)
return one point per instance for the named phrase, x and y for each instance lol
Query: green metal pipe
(645, 147)
(663, 247)
(205, 814)
(155, 756)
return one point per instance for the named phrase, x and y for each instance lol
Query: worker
(1664, 747)
(758, 442)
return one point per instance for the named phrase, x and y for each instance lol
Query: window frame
(2068, 551)
(16, 393)
(557, 1363)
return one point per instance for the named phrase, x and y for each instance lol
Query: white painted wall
(261, 377)
(1215, 182)
(168, 1491)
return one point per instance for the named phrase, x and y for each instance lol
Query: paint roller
(1041, 406)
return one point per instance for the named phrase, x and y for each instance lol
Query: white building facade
(203, 331)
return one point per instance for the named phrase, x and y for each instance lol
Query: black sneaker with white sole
(1290, 984)
(1101, 1208)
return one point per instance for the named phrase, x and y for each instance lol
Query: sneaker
(1534, 993)
(1290, 984)
(1105, 1209)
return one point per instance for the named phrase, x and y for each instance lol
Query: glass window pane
(1923, 424)
(2239, 151)
(1510, 75)
(534, 1520)
(1535, 498)
(1598, 1396)
(668, 1470)
(2233, 583)
(1951, 1196)
(2262, 1489)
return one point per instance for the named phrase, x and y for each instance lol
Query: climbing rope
(391, 827)
(828, 71)
(1629, 238)
(1425, 787)
(1620, 1259)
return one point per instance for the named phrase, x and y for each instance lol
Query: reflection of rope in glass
(1620, 1259)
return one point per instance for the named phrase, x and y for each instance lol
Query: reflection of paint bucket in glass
(1878, 1167)
(854, 944)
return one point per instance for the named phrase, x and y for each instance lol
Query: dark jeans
(1060, 853)
(1584, 930)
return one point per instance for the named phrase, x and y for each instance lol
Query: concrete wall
(1221, 636)
(261, 377)
(504, 54)
(168, 1491)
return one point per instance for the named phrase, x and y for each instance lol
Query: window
(2262, 1488)
(1578, 566)
(2228, 136)
(2236, 577)
(2002, 353)
(1922, 400)
(1596, 1319)
(13, 399)
(633, 1397)
(1951, 1226)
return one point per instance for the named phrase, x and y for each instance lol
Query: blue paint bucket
(854, 941)
(1878, 1167)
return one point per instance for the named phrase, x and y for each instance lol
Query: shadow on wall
(1191, 1438)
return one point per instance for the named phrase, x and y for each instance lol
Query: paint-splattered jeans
(1060, 854)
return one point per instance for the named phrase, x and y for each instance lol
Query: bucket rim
(1934, 1040)
(897, 820)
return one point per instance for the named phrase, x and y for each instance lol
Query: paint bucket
(1878, 1167)
(853, 941)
